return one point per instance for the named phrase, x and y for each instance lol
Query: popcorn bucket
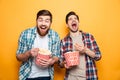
(42, 54)
(72, 58)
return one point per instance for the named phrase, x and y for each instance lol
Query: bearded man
(30, 40)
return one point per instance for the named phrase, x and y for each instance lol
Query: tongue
(74, 25)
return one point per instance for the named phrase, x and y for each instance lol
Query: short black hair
(44, 13)
(71, 13)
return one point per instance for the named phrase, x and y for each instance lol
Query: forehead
(72, 16)
(44, 17)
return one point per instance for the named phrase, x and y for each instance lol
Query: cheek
(39, 23)
(48, 24)
(69, 23)
(69, 26)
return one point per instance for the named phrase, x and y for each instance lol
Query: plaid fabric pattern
(25, 43)
(89, 41)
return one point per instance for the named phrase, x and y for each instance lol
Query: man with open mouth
(88, 51)
(29, 44)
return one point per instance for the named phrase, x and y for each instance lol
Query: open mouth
(43, 27)
(74, 25)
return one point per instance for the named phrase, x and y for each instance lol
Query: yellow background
(99, 17)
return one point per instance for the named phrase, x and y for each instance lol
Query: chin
(74, 31)
(43, 34)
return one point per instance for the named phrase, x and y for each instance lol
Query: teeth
(42, 27)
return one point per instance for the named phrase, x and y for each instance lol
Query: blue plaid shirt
(89, 41)
(25, 43)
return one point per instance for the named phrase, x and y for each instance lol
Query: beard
(73, 30)
(42, 33)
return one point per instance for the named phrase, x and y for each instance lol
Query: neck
(75, 34)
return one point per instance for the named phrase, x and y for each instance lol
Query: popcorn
(44, 51)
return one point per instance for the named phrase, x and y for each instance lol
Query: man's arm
(25, 56)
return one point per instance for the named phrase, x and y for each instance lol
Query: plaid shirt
(26, 41)
(89, 41)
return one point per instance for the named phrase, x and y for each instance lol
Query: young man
(40, 36)
(86, 45)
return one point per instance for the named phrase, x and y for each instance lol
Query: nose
(43, 22)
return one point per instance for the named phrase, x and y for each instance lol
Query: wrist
(86, 50)
(52, 61)
(28, 54)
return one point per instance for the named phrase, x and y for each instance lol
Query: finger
(64, 62)
(43, 63)
(37, 49)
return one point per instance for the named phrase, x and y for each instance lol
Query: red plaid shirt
(89, 41)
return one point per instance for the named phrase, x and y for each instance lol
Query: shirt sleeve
(21, 44)
(56, 46)
(95, 48)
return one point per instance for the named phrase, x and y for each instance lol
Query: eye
(70, 19)
(75, 18)
(47, 20)
(40, 20)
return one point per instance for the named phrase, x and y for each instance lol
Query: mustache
(43, 26)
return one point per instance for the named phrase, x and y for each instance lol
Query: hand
(46, 63)
(65, 65)
(80, 48)
(34, 52)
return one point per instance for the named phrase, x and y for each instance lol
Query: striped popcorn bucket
(72, 58)
(41, 56)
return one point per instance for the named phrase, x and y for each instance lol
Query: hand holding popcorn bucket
(72, 58)
(42, 54)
